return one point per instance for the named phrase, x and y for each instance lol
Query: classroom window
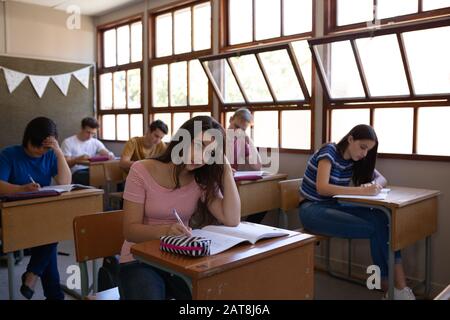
(256, 20)
(179, 88)
(343, 120)
(433, 131)
(119, 79)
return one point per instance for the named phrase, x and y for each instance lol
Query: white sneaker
(404, 294)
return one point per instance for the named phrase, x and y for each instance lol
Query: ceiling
(87, 7)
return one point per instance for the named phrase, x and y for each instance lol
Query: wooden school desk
(35, 222)
(278, 268)
(412, 215)
(260, 195)
(97, 172)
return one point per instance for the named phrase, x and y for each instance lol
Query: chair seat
(110, 294)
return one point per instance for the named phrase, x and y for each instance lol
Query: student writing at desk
(148, 146)
(39, 158)
(329, 172)
(82, 146)
(155, 187)
(241, 151)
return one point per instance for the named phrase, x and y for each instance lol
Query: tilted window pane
(281, 75)
(251, 78)
(224, 81)
(304, 59)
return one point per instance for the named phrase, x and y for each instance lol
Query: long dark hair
(208, 177)
(363, 169)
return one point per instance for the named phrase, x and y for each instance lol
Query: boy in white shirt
(80, 147)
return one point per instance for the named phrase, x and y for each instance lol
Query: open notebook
(65, 187)
(249, 175)
(223, 238)
(381, 196)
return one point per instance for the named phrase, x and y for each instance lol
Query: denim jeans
(334, 219)
(44, 263)
(139, 281)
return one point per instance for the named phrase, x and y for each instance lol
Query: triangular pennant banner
(63, 82)
(83, 76)
(39, 83)
(13, 79)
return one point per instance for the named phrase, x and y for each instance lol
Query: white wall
(421, 174)
(41, 32)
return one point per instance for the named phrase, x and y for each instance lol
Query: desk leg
(427, 266)
(11, 261)
(391, 258)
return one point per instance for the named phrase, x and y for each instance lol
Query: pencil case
(185, 245)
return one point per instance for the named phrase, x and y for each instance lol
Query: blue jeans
(43, 263)
(139, 281)
(81, 177)
(334, 219)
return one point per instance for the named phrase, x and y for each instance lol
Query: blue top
(341, 172)
(16, 166)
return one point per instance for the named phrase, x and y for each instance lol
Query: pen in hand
(34, 182)
(181, 222)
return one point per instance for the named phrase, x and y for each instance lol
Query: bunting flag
(14, 79)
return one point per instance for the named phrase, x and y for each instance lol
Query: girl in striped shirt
(329, 172)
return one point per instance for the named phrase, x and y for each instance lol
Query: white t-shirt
(74, 147)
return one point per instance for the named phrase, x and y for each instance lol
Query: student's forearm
(379, 179)
(231, 202)
(104, 152)
(6, 187)
(64, 174)
(330, 190)
(140, 232)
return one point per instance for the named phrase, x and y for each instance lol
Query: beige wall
(2, 27)
(422, 174)
(41, 32)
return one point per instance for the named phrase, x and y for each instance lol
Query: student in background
(148, 146)
(40, 159)
(329, 172)
(82, 146)
(155, 187)
(241, 151)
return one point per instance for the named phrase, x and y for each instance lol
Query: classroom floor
(326, 286)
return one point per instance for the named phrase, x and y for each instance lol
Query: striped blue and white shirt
(341, 172)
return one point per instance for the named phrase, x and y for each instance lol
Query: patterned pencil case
(189, 246)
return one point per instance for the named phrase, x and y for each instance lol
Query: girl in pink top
(154, 187)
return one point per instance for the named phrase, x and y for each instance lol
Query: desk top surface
(275, 176)
(199, 267)
(400, 197)
(62, 196)
(96, 163)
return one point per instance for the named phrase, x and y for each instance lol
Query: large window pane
(433, 131)
(136, 41)
(342, 74)
(354, 11)
(428, 54)
(266, 129)
(179, 118)
(106, 91)
(109, 127)
(435, 4)
(267, 19)
(134, 88)
(166, 118)
(383, 66)
(251, 78)
(109, 48)
(182, 31)
(281, 75)
(137, 125)
(120, 90)
(123, 127)
(389, 8)
(297, 16)
(202, 26)
(198, 84)
(160, 86)
(178, 84)
(224, 81)
(296, 129)
(240, 21)
(164, 35)
(342, 121)
(394, 128)
(123, 45)
(304, 59)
